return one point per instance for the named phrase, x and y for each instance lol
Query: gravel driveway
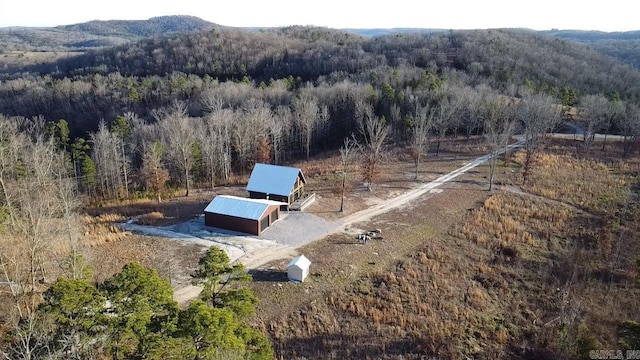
(298, 228)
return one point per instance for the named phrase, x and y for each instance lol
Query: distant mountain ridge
(97, 33)
(624, 46)
(151, 27)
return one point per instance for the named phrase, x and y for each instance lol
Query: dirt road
(403, 199)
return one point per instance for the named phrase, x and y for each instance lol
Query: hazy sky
(611, 15)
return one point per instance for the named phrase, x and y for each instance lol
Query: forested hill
(622, 45)
(156, 71)
(500, 57)
(97, 33)
(142, 28)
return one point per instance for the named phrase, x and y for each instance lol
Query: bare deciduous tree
(178, 132)
(307, 115)
(537, 114)
(153, 173)
(616, 112)
(395, 117)
(499, 125)
(106, 156)
(223, 121)
(250, 128)
(445, 114)
(420, 126)
(630, 126)
(38, 221)
(468, 114)
(374, 133)
(348, 150)
(279, 130)
(594, 110)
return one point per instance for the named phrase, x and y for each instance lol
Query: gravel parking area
(299, 228)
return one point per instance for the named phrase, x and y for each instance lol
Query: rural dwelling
(279, 183)
(298, 268)
(250, 216)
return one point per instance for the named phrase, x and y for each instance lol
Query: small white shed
(298, 268)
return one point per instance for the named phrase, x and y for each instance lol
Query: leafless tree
(153, 173)
(223, 121)
(420, 127)
(241, 137)
(445, 114)
(307, 115)
(206, 134)
(106, 157)
(178, 131)
(499, 125)
(348, 150)
(76, 264)
(249, 129)
(279, 129)
(39, 221)
(594, 110)
(374, 132)
(469, 99)
(630, 126)
(211, 101)
(616, 112)
(536, 114)
(215, 142)
(395, 116)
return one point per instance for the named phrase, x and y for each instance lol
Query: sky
(611, 15)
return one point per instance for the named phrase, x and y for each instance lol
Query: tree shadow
(268, 275)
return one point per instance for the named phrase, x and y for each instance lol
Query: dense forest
(147, 118)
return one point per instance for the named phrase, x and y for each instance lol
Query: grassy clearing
(518, 276)
(585, 183)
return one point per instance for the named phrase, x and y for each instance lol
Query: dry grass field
(542, 271)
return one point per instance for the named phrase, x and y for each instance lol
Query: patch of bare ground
(174, 260)
(397, 175)
(465, 274)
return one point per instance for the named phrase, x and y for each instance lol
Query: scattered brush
(152, 218)
(103, 229)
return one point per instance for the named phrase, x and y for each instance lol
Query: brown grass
(519, 276)
(152, 218)
(585, 183)
(102, 229)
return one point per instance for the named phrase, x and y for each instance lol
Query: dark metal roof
(274, 179)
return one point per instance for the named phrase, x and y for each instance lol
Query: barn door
(264, 223)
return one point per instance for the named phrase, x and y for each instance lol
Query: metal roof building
(250, 216)
(276, 182)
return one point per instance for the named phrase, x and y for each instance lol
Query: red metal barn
(249, 216)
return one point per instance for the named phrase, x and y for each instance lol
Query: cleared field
(465, 273)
